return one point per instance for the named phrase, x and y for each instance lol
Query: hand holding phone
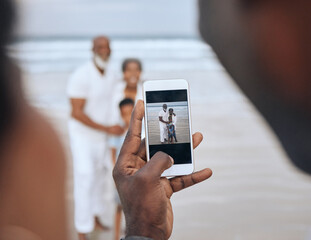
(144, 194)
(168, 123)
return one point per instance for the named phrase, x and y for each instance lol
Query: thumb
(158, 164)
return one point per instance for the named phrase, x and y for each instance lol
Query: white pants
(163, 133)
(93, 187)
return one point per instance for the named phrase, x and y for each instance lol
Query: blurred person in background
(130, 86)
(126, 107)
(132, 70)
(127, 92)
(265, 46)
(90, 90)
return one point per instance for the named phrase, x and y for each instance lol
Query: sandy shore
(254, 193)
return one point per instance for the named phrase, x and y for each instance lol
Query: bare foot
(100, 226)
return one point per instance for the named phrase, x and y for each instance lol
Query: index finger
(133, 137)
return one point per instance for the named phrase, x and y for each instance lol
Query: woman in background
(130, 87)
(129, 90)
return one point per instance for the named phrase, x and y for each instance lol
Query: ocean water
(48, 63)
(64, 55)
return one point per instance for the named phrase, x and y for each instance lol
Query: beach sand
(255, 192)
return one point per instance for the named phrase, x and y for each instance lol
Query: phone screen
(168, 124)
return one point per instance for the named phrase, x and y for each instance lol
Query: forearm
(86, 120)
(115, 130)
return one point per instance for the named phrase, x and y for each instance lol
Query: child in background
(115, 143)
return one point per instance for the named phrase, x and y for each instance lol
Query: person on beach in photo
(163, 121)
(90, 88)
(174, 117)
(171, 130)
(115, 143)
(171, 126)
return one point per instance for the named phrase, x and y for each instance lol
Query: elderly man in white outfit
(163, 120)
(90, 91)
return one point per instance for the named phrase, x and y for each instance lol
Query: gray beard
(100, 63)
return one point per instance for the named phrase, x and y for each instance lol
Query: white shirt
(119, 92)
(87, 83)
(164, 116)
(174, 120)
(119, 96)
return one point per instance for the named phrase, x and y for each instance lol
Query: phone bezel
(170, 84)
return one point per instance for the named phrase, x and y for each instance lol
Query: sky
(116, 18)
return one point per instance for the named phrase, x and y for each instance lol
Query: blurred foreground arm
(145, 196)
(32, 202)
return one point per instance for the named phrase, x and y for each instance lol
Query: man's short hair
(131, 60)
(126, 101)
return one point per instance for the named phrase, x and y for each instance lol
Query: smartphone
(168, 123)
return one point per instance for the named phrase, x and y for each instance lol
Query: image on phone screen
(168, 124)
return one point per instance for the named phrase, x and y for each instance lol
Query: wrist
(144, 230)
(102, 128)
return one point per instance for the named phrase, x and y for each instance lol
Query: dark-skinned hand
(144, 194)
